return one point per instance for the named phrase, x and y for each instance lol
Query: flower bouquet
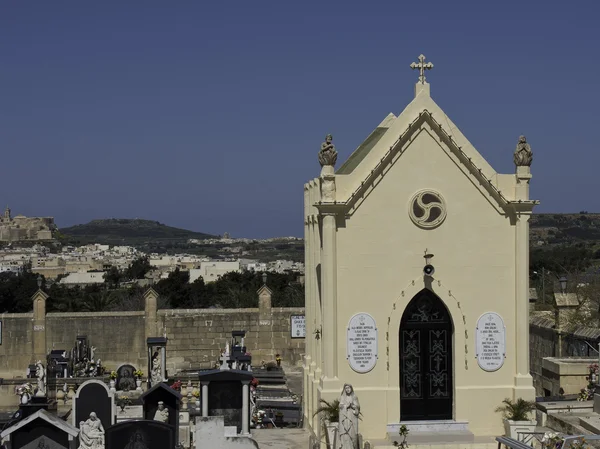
(586, 394)
(138, 373)
(124, 401)
(24, 390)
(113, 375)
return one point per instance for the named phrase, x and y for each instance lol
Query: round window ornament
(427, 209)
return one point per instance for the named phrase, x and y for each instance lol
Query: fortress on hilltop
(21, 228)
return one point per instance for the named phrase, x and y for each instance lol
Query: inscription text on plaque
(490, 341)
(362, 343)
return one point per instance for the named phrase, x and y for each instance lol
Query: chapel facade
(417, 277)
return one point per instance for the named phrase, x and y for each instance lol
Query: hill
(561, 229)
(146, 235)
(547, 231)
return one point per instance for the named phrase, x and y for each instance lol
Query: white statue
(91, 433)
(347, 437)
(92, 352)
(162, 414)
(155, 374)
(227, 349)
(40, 373)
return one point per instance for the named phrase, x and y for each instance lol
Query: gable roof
(367, 165)
(264, 288)
(46, 416)
(365, 148)
(160, 385)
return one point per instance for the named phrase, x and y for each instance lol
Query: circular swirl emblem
(427, 209)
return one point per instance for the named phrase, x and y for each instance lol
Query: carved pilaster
(328, 184)
(39, 325)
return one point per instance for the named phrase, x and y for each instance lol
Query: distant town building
(212, 270)
(83, 279)
(21, 228)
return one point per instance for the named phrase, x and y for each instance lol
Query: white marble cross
(224, 364)
(422, 66)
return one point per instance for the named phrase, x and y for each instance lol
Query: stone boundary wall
(195, 336)
(545, 340)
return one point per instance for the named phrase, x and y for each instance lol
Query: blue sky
(209, 115)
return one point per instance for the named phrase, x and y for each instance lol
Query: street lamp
(563, 283)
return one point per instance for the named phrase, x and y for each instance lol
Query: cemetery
(394, 351)
(70, 398)
(133, 409)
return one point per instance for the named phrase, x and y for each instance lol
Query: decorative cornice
(424, 116)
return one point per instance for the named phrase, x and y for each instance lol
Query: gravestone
(225, 399)
(225, 391)
(170, 398)
(140, 434)
(210, 432)
(125, 378)
(94, 396)
(41, 430)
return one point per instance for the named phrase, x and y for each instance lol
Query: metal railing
(531, 438)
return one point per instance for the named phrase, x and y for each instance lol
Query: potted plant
(278, 359)
(516, 416)
(329, 413)
(113, 378)
(138, 374)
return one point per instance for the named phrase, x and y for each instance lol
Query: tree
(16, 290)
(113, 277)
(138, 268)
(175, 288)
(561, 259)
(102, 301)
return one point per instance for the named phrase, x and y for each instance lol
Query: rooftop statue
(328, 154)
(523, 154)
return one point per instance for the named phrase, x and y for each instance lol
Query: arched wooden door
(426, 386)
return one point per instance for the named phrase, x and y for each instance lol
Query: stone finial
(39, 281)
(328, 154)
(422, 66)
(523, 154)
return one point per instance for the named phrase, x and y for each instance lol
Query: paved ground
(281, 438)
(294, 378)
